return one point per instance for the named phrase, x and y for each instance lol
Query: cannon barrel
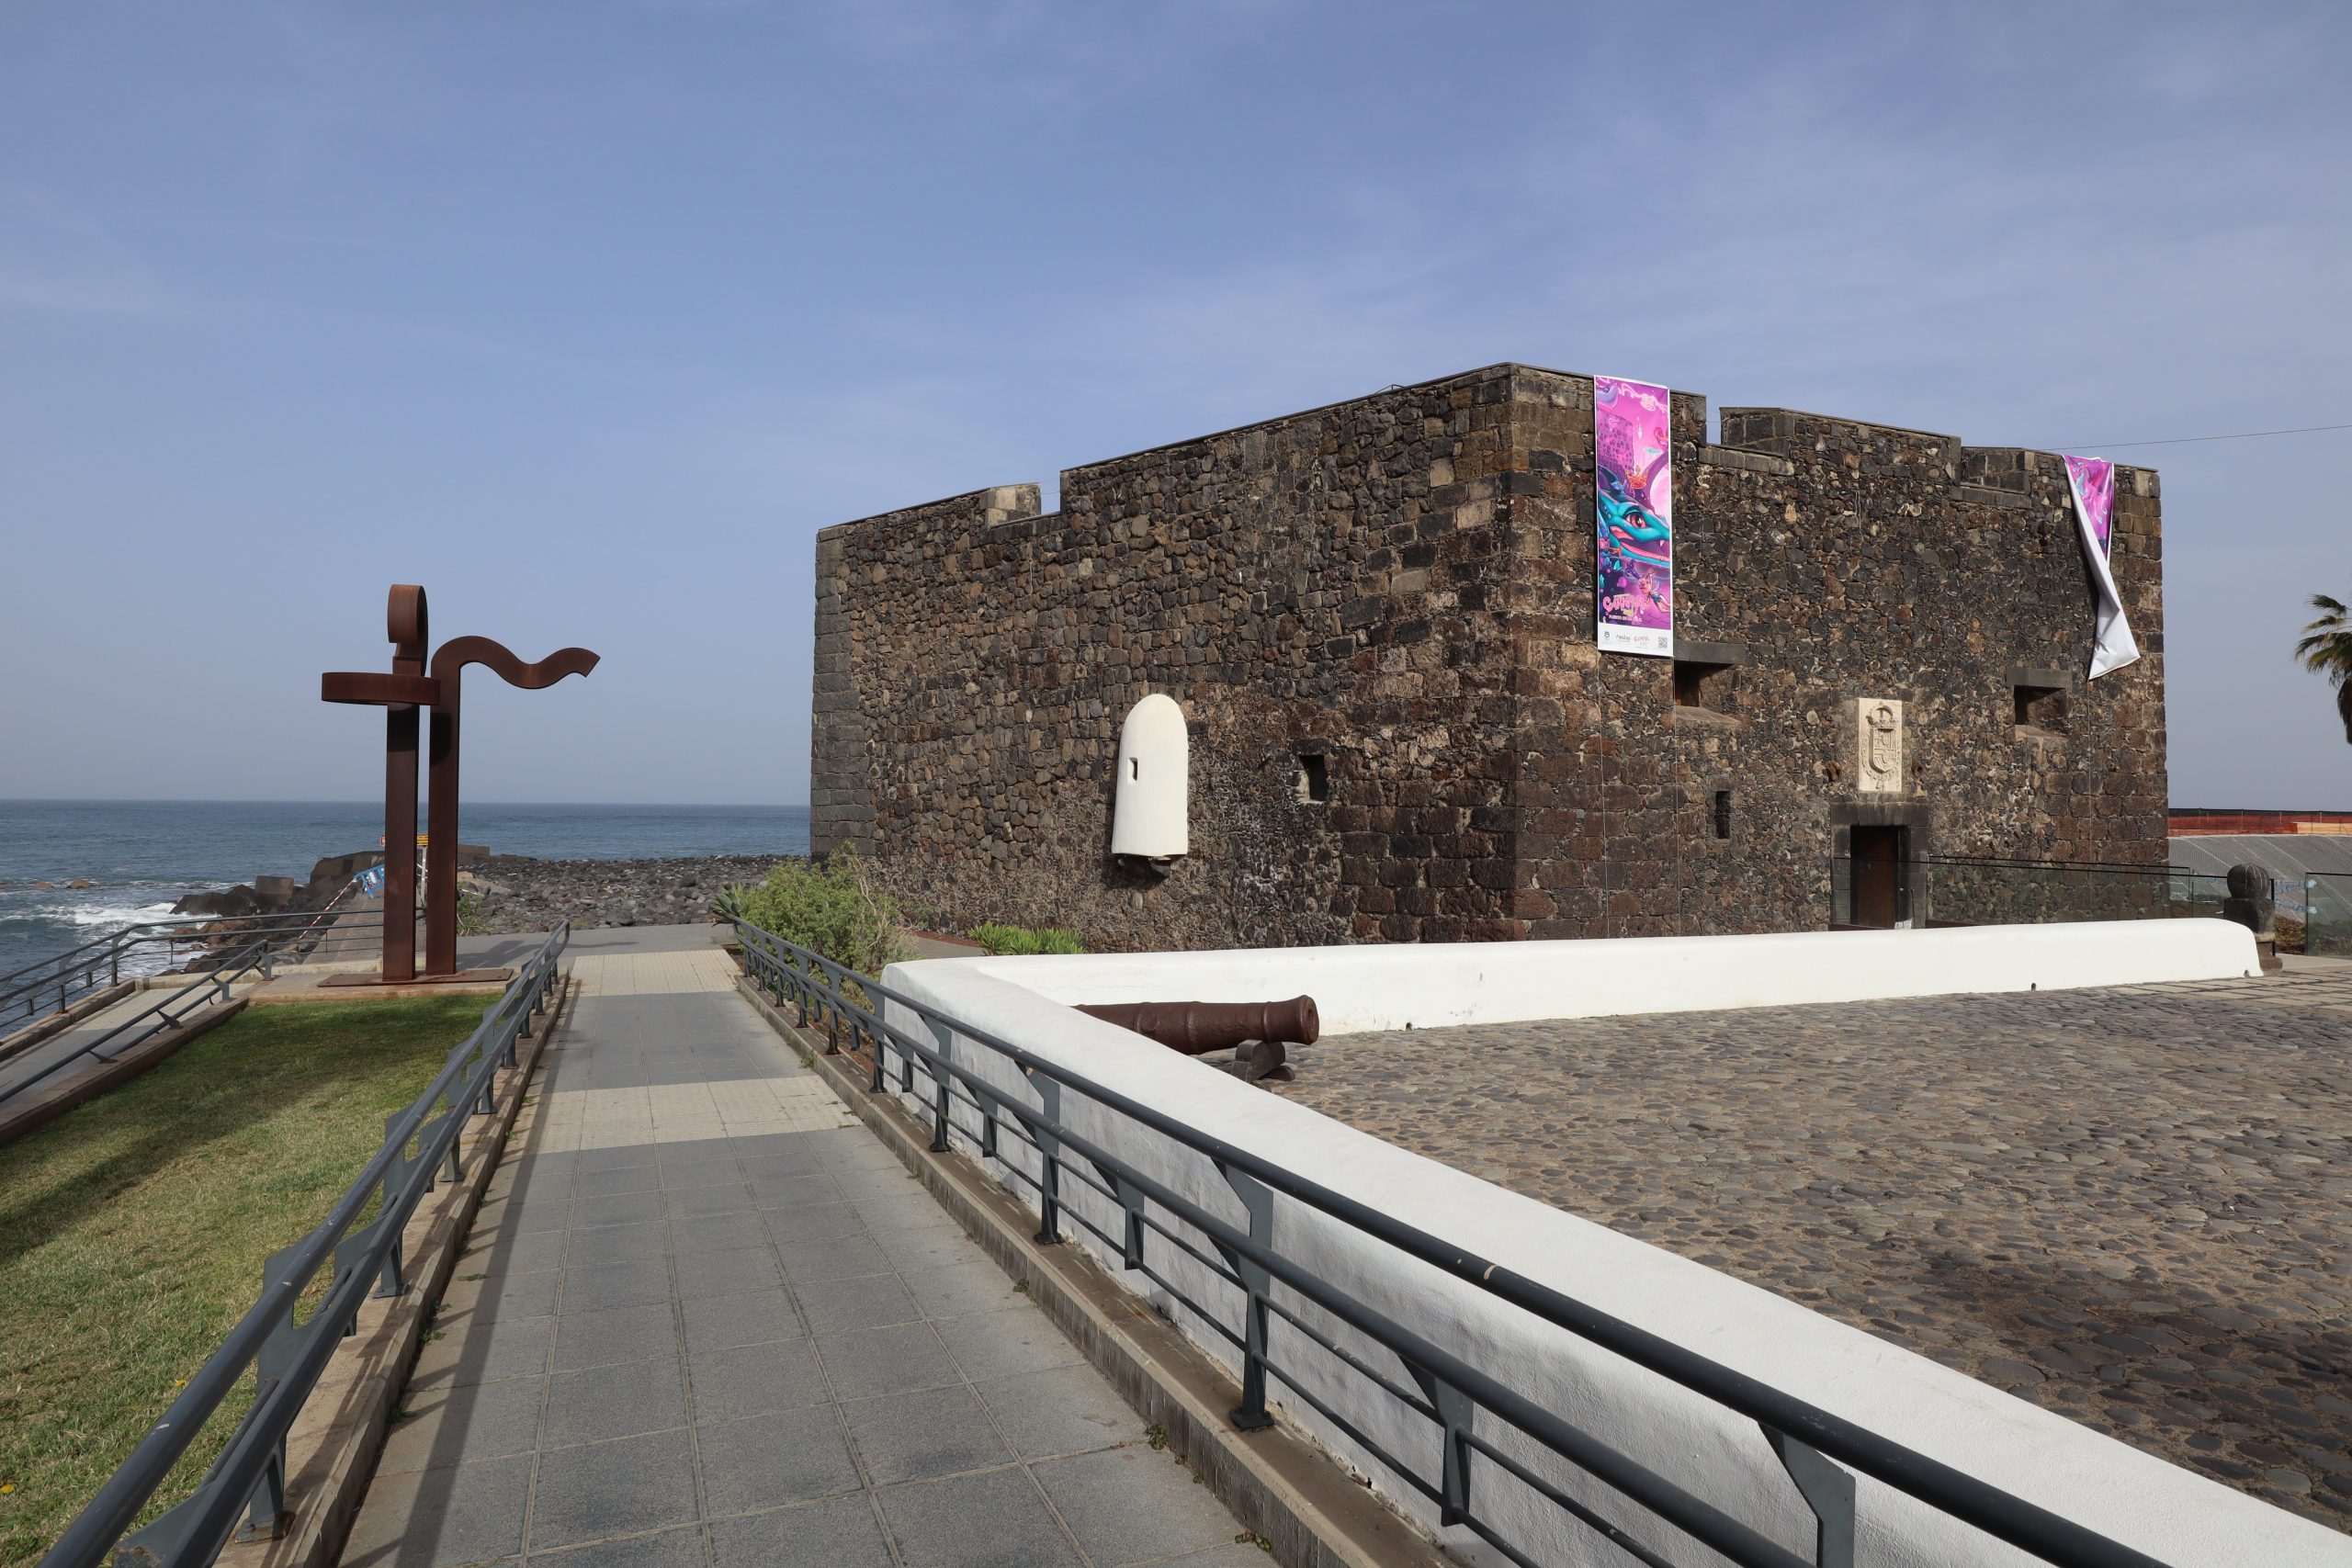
(1198, 1028)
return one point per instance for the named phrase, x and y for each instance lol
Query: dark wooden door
(1879, 876)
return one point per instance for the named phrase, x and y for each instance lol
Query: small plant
(1021, 940)
(834, 909)
(472, 918)
(726, 904)
(1157, 1436)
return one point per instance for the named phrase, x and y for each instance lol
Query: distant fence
(2328, 915)
(1967, 890)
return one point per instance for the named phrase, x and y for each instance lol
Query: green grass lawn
(132, 1230)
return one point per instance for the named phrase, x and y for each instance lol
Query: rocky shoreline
(513, 892)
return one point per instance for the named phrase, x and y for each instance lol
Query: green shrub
(834, 908)
(1004, 939)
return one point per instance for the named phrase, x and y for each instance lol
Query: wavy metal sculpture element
(441, 842)
(402, 694)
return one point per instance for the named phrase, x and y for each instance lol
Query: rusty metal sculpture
(408, 689)
(1256, 1031)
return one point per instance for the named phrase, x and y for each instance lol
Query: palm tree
(2326, 650)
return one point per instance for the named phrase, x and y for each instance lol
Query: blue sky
(587, 315)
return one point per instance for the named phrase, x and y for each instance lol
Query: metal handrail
(1801, 1433)
(22, 988)
(287, 1359)
(207, 985)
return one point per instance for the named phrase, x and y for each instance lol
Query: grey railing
(1972, 890)
(53, 983)
(359, 1246)
(970, 1113)
(247, 953)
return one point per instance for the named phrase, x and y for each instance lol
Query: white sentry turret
(1149, 814)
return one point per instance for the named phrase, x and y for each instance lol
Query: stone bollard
(2253, 904)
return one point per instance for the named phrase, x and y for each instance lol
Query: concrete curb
(49, 1104)
(1279, 1485)
(330, 1453)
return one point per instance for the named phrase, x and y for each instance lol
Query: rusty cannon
(1256, 1031)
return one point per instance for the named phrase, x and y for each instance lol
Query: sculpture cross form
(408, 689)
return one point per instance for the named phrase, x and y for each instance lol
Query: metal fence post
(1049, 1179)
(1828, 1490)
(1258, 1201)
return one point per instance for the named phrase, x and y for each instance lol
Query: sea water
(140, 856)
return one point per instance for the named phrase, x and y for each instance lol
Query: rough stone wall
(1840, 561)
(1311, 584)
(1402, 585)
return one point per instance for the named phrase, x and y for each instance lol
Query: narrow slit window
(1314, 779)
(1722, 814)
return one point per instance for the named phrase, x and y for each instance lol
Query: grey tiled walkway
(708, 1320)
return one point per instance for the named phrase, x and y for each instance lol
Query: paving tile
(1233, 1554)
(625, 1284)
(870, 1363)
(837, 1257)
(1001, 1344)
(914, 1436)
(1121, 1506)
(841, 1531)
(995, 1520)
(625, 1178)
(686, 1174)
(1066, 1410)
(820, 1222)
(464, 1425)
(750, 1317)
(615, 1488)
(728, 1273)
(438, 1519)
(627, 1157)
(616, 1208)
(799, 1191)
(727, 1197)
(752, 1380)
(962, 1288)
(931, 1246)
(502, 1347)
(786, 1456)
(599, 1244)
(669, 1549)
(614, 1402)
(718, 1232)
(608, 1339)
(911, 1210)
(525, 1254)
(481, 1300)
(868, 1300)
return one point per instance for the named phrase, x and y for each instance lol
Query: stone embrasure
(2128, 1206)
(1401, 587)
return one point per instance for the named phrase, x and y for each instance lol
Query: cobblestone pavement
(2132, 1206)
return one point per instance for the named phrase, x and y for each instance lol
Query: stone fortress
(1377, 617)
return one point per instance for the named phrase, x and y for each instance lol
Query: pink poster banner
(2092, 480)
(1633, 541)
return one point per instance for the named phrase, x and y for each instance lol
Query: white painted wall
(1433, 985)
(2131, 1496)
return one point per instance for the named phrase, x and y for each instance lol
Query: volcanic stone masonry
(1377, 617)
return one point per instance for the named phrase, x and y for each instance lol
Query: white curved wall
(2134, 1498)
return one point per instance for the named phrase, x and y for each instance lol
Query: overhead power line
(2184, 440)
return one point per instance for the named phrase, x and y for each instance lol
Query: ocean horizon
(140, 856)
